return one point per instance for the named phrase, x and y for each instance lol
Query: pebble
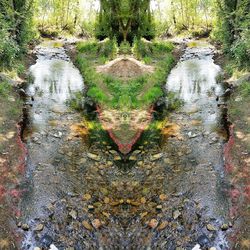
(73, 214)
(210, 227)
(94, 157)
(156, 157)
(163, 197)
(87, 225)
(212, 248)
(25, 227)
(37, 248)
(163, 225)
(96, 223)
(153, 223)
(196, 247)
(176, 214)
(53, 247)
(224, 227)
(159, 207)
(39, 227)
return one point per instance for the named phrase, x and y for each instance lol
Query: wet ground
(170, 195)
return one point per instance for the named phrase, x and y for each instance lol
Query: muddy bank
(12, 161)
(237, 152)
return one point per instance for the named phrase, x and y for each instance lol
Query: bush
(125, 48)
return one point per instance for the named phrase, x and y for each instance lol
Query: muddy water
(78, 195)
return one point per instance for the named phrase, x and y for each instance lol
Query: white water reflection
(55, 79)
(193, 79)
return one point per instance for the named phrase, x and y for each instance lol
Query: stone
(94, 157)
(87, 225)
(224, 227)
(106, 200)
(163, 225)
(153, 223)
(86, 197)
(156, 157)
(176, 214)
(159, 207)
(25, 227)
(212, 248)
(37, 248)
(39, 227)
(73, 214)
(196, 247)
(96, 223)
(163, 197)
(53, 247)
(210, 227)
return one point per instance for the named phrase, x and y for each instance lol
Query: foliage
(107, 48)
(244, 89)
(125, 20)
(233, 30)
(125, 48)
(116, 93)
(195, 17)
(142, 49)
(16, 29)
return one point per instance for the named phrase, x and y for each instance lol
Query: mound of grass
(133, 93)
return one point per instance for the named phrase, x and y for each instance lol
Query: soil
(125, 67)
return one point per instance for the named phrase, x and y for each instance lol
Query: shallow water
(82, 196)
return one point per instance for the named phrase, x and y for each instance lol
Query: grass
(116, 93)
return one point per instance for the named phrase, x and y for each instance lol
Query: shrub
(125, 48)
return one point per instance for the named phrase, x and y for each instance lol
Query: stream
(79, 197)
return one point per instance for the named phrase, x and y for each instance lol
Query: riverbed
(79, 194)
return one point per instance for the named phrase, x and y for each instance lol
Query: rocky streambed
(166, 195)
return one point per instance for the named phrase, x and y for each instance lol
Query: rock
(156, 157)
(73, 214)
(224, 227)
(203, 240)
(190, 135)
(210, 227)
(153, 223)
(25, 227)
(117, 158)
(94, 157)
(87, 225)
(37, 248)
(176, 214)
(53, 247)
(106, 200)
(96, 223)
(46, 241)
(163, 197)
(163, 225)
(196, 247)
(86, 197)
(91, 207)
(39, 227)
(159, 207)
(132, 158)
(212, 248)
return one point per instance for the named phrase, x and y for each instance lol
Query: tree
(125, 20)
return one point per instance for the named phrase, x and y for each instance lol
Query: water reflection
(193, 79)
(55, 79)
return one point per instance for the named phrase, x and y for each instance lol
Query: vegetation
(233, 30)
(116, 93)
(16, 29)
(125, 20)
